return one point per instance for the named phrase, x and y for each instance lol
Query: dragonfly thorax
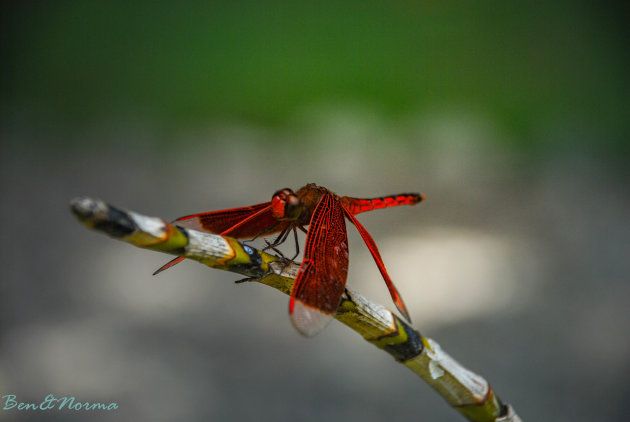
(286, 205)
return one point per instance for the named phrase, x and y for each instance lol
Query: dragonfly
(321, 278)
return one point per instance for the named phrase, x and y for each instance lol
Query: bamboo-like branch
(467, 392)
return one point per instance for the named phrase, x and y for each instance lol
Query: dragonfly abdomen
(359, 205)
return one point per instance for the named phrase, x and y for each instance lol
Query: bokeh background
(511, 117)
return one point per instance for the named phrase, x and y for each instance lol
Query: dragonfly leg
(273, 248)
(297, 244)
(278, 241)
(282, 238)
(262, 233)
(283, 262)
(246, 279)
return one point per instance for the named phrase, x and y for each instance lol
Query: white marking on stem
(205, 244)
(377, 313)
(441, 362)
(154, 226)
(435, 370)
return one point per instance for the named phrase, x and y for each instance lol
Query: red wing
(245, 222)
(379, 263)
(321, 279)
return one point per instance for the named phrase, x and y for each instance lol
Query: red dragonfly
(321, 279)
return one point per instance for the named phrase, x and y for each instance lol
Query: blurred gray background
(512, 118)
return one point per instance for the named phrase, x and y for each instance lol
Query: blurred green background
(551, 73)
(511, 117)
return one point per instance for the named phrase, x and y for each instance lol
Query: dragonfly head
(286, 205)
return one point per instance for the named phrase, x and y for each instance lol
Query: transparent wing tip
(307, 319)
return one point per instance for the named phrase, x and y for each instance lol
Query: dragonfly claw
(244, 280)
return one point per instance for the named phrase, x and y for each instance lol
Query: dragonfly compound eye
(285, 205)
(293, 207)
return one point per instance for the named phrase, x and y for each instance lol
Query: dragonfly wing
(169, 264)
(321, 279)
(379, 263)
(245, 222)
(236, 222)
